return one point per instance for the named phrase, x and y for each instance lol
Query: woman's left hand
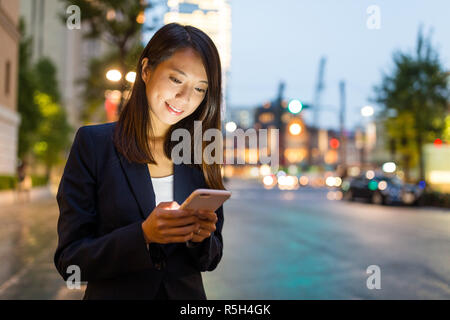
(207, 221)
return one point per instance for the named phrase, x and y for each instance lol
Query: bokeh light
(295, 106)
(382, 185)
(370, 174)
(230, 126)
(389, 167)
(113, 75)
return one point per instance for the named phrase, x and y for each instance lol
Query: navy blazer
(103, 199)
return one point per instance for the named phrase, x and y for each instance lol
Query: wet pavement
(277, 245)
(27, 243)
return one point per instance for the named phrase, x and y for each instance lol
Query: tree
(416, 91)
(44, 130)
(120, 23)
(53, 132)
(401, 130)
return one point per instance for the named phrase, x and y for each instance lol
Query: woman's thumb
(168, 205)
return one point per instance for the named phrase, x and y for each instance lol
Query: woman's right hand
(169, 224)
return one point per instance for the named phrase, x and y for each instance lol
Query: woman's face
(176, 87)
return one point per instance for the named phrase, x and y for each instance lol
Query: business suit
(103, 199)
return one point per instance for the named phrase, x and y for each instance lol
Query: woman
(120, 224)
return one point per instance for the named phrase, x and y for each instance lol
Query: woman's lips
(172, 111)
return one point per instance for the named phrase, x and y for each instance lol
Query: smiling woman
(178, 81)
(119, 197)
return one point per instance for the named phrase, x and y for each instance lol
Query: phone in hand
(205, 199)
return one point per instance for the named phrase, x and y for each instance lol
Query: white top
(163, 188)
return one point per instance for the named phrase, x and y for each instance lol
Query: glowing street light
(131, 76)
(264, 170)
(113, 75)
(230, 126)
(295, 129)
(140, 18)
(389, 167)
(367, 111)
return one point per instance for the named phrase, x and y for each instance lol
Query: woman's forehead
(188, 64)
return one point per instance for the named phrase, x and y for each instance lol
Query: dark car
(381, 189)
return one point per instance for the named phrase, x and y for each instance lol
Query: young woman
(120, 227)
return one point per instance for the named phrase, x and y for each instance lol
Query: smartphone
(206, 199)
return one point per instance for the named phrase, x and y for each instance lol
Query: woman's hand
(168, 224)
(207, 225)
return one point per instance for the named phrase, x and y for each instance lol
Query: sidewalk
(12, 197)
(28, 241)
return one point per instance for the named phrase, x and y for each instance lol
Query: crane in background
(314, 136)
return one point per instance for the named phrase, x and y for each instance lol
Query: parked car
(381, 189)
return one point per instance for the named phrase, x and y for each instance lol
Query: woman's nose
(184, 94)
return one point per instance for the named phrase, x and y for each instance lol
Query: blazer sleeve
(98, 257)
(208, 253)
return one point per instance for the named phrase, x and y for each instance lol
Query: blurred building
(9, 55)
(65, 47)
(296, 145)
(437, 166)
(214, 18)
(243, 117)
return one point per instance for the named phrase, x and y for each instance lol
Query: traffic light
(295, 106)
(334, 143)
(437, 143)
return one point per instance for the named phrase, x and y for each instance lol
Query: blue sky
(284, 40)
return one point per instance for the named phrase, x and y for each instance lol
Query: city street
(277, 245)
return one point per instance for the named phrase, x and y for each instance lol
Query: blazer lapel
(138, 177)
(140, 182)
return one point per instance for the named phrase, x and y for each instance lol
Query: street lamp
(131, 76)
(367, 111)
(389, 167)
(295, 129)
(113, 75)
(230, 126)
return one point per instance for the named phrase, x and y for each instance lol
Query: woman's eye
(175, 80)
(200, 90)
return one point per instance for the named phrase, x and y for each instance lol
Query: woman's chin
(170, 120)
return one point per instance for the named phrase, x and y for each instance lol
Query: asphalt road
(277, 245)
(299, 245)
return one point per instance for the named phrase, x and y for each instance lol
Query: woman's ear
(145, 70)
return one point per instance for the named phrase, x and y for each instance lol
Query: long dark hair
(133, 131)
